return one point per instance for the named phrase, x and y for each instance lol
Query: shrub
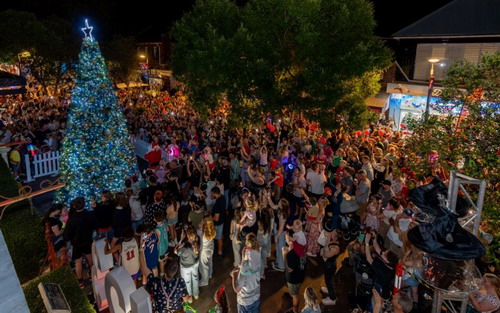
(63, 276)
(23, 232)
(24, 236)
(8, 186)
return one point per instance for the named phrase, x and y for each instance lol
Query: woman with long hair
(283, 215)
(486, 300)
(311, 301)
(188, 251)
(264, 239)
(234, 235)
(52, 219)
(250, 256)
(314, 215)
(207, 251)
(122, 217)
(172, 219)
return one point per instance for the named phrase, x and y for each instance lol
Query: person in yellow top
(15, 161)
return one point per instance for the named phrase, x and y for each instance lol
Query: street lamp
(23, 57)
(431, 85)
(142, 56)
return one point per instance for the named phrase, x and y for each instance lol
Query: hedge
(63, 276)
(8, 186)
(23, 232)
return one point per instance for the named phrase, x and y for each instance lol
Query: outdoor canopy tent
(11, 84)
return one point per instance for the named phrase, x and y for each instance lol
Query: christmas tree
(97, 153)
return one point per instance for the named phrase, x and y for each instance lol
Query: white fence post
(48, 163)
(28, 168)
(43, 164)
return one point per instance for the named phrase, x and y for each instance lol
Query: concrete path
(12, 298)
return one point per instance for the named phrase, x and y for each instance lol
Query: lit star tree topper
(97, 152)
(87, 30)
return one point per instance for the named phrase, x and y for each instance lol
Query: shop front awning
(378, 102)
(131, 85)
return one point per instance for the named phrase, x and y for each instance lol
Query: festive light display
(97, 153)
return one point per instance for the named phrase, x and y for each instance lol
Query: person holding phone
(188, 251)
(329, 255)
(383, 267)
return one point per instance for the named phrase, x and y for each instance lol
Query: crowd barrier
(48, 163)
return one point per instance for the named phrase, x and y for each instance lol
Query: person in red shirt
(278, 182)
(273, 162)
(154, 155)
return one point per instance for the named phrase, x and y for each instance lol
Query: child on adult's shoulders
(298, 239)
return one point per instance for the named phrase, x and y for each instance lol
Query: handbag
(322, 239)
(349, 204)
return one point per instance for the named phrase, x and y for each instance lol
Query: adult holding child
(188, 251)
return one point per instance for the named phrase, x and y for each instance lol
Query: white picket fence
(42, 165)
(48, 163)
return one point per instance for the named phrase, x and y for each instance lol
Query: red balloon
(367, 131)
(381, 133)
(357, 133)
(403, 125)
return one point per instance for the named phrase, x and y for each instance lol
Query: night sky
(154, 16)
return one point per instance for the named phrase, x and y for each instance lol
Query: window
(447, 53)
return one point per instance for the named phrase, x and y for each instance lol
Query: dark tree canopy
(317, 57)
(51, 42)
(121, 54)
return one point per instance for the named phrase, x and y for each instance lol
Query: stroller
(350, 224)
(364, 283)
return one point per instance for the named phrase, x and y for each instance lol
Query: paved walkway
(274, 296)
(12, 298)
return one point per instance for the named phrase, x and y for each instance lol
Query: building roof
(457, 19)
(378, 101)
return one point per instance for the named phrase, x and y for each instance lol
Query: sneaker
(328, 301)
(311, 254)
(196, 297)
(190, 300)
(276, 268)
(324, 290)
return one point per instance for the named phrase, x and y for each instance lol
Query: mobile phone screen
(361, 237)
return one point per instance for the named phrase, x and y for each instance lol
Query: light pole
(142, 56)
(431, 85)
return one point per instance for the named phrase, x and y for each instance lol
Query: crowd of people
(284, 193)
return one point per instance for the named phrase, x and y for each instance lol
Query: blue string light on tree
(97, 153)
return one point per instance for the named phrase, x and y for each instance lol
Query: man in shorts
(219, 217)
(78, 231)
(295, 272)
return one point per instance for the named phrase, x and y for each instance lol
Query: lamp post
(142, 56)
(431, 85)
(22, 58)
